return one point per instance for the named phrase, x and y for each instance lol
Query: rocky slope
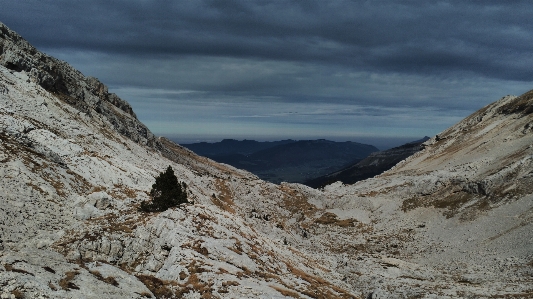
(376, 163)
(461, 208)
(452, 221)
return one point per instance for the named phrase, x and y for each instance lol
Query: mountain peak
(86, 94)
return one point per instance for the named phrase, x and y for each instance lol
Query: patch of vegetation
(331, 218)
(451, 202)
(9, 267)
(286, 292)
(160, 288)
(66, 282)
(18, 294)
(166, 193)
(109, 280)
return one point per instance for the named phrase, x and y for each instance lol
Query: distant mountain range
(376, 163)
(232, 146)
(286, 160)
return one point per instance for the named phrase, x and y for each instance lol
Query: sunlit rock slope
(452, 221)
(462, 208)
(75, 165)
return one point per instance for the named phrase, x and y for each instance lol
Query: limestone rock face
(86, 94)
(452, 221)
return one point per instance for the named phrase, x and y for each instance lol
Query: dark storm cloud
(486, 38)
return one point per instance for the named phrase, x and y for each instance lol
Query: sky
(378, 72)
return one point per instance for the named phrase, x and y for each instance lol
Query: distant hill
(286, 160)
(232, 146)
(376, 163)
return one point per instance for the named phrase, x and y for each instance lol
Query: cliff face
(452, 221)
(86, 94)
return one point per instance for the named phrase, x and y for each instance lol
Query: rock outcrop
(86, 94)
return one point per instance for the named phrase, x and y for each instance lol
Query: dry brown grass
(160, 288)
(98, 189)
(318, 287)
(225, 198)
(331, 219)
(66, 282)
(9, 267)
(111, 222)
(522, 105)
(230, 283)
(17, 293)
(52, 286)
(451, 202)
(237, 248)
(81, 185)
(109, 280)
(123, 192)
(296, 202)
(194, 283)
(244, 273)
(196, 246)
(145, 295)
(286, 292)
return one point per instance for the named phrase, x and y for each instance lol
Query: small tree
(166, 193)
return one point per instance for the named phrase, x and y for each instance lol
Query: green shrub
(166, 193)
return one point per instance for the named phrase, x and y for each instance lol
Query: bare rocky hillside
(452, 221)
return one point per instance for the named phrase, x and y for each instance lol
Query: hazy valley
(285, 161)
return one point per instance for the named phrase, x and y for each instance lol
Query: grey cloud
(409, 36)
(308, 67)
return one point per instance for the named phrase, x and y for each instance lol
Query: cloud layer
(442, 58)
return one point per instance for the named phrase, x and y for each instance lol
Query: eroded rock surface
(452, 221)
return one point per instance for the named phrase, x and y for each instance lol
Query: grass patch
(66, 282)
(160, 288)
(18, 294)
(9, 267)
(109, 280)
(331, 219)
(286, 292)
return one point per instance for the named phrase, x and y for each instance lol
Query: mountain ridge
(285, 161)
(232, 146)
(376, 163)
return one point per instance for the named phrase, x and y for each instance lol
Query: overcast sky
(364, 71)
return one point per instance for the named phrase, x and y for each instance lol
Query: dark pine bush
(166, 193)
